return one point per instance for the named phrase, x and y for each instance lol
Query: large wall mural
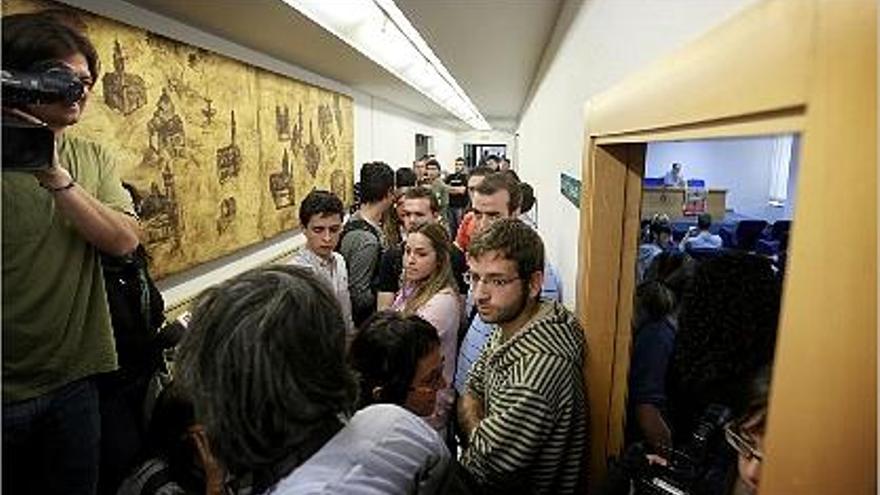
(222, 152)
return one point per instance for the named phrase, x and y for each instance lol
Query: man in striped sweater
(524, 409)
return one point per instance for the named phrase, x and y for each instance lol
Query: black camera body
(51, 82)
(690, 469)
(29, 146)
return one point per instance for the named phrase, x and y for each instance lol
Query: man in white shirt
(320, 215)
(674, 178)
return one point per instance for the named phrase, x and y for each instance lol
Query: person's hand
(214, 474)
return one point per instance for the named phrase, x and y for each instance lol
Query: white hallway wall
(382, 131)
(606, 41)
(387, 133)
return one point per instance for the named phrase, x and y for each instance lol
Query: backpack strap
(359, 224)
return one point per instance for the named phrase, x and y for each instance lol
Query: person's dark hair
(528, 197)
(755, 410)
(659, 224)
(168, 436)
(377, 180)
(704, 221)
(32, 38)
(494, 158)
(320, 202)
(425, 158)
(385, 353)
(512, 173)
(727, 331)
(432, 163)
(501, 181)
(423, 192)
(659, 295)
(515, 241)
(404, 177)
(264, 363)
(459, 159)
(481, 171)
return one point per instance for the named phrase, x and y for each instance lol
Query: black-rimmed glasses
(741, 443)
(492, 282)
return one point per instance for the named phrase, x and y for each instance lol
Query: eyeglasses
(493, 283)
(433, 381)
(743, 445)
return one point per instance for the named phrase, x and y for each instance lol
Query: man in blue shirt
(497, 197)
(700, 237)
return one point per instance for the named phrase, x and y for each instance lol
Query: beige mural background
(166, 110)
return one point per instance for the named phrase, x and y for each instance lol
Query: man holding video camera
(56, 326)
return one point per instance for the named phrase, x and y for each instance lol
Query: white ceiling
(491, 47)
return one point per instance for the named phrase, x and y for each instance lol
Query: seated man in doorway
(699, 237)
(524, 409)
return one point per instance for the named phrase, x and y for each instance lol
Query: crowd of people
(418, 344)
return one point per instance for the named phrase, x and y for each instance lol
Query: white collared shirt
(334, 271)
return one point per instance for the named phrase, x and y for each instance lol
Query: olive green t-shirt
(56, 325)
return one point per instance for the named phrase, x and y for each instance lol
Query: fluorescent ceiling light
(379, 30)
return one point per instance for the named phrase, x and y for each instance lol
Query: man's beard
(512, 312)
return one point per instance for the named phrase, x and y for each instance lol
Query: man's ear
(536, 282)
(377, 393)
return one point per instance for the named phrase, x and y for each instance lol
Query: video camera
(690, 470)
(27, 145)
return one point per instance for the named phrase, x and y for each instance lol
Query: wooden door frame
(806, 67)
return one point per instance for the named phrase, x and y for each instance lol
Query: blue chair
(748, 232)
(728, 236)
(775, 240)
(653, 182)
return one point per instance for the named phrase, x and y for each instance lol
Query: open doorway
(424, 146)
(823, 391)
(476, 154)
(714, 224)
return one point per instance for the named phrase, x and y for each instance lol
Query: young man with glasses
(746, 436)
(496, 197)
(524, 407)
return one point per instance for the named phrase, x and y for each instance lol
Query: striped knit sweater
(533, 437)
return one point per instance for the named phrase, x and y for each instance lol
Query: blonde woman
(428, 289)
